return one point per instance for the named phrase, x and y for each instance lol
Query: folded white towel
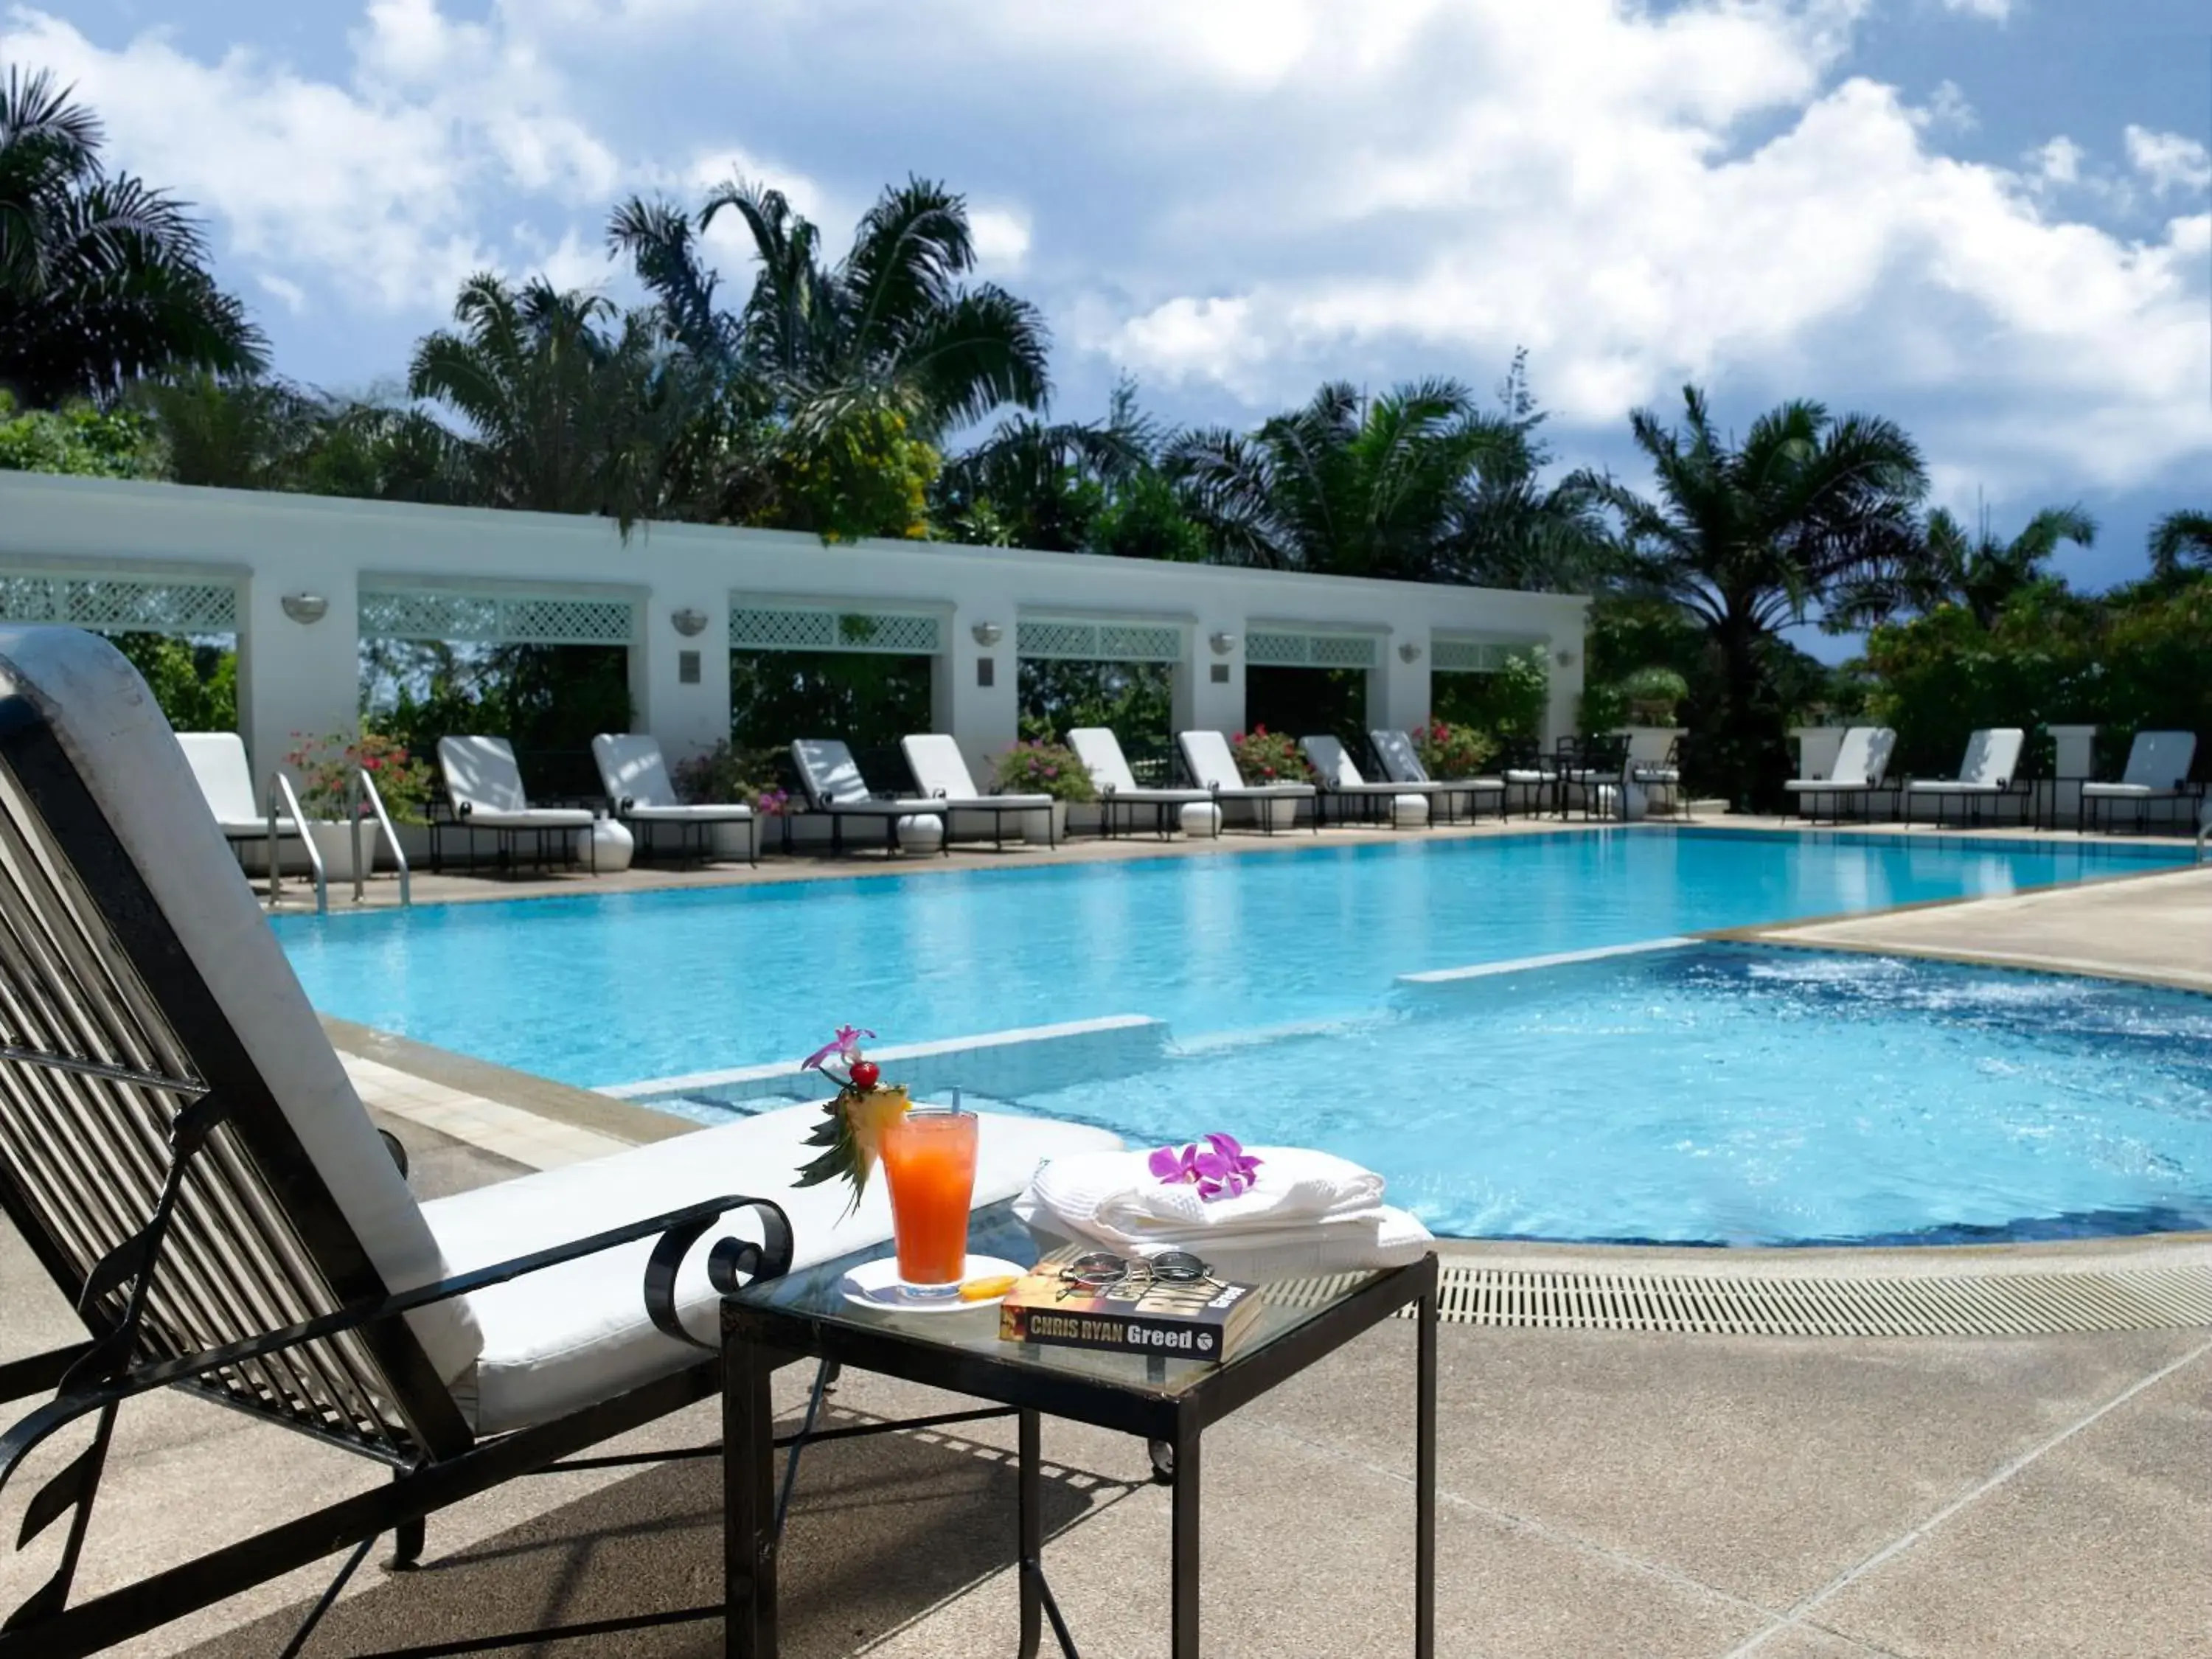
(1116, 1195)
(1310, 1214)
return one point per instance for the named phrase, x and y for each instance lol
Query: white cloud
(1995, 11)
(2170, 160)
(293, 297)
(1948, 108)
(1002, 238)
(2058, 163)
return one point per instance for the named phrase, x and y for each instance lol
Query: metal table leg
(1031, 1505)
(749, 1541)
(1424, 1484)
(1185, 1573)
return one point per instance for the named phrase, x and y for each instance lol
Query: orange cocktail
(929, 1160)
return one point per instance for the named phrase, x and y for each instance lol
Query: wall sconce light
(1223, 644)
(305, 608)
(689, 623)
(1409, 651)
(1564, 658)
(987, 633)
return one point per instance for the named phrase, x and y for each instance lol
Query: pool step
(1557, 959)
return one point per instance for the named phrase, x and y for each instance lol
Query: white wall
(304, 676)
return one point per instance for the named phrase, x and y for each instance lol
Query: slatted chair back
(480, 774)
(219, 766)
(828, 772)
(2160, 759)
(1100, 751)
(1992, 757)
(179, 1144)
(1332, 763)
(633, 770)
(1401, 762)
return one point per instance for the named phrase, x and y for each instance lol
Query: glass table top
(816, 1293)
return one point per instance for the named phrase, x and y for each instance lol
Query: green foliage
(549, 700)
(77, 439)
(1509, 703)
(869, 699)
(1448, 752)
(1263, 756)
(2180, 540)
(194, 681)
(1145, 519)
(1309, 703)
(727, 774)
(328, 764)
(1602, 708)
(102, 277)
(1654, 690)
(1034, 767)
(1132, 700)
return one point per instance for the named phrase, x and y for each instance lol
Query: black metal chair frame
(1445, 789)
(1589, 764)
(444, 819)
(146, 1164)
(695, 834)
(2094, 813)
(1266, 820)
(1109, 800)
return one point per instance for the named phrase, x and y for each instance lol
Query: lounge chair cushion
(481, 776)
(702, 813)
(1214, 766)
(1340, 775)
(107, 722)
(219, 766)
(2158, 764)
(941, 770)
(559, 1340)
(1401, 762)
(1991, 761)
(529, 817)
(1100, 751)
(633, 771)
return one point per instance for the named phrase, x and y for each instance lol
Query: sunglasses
(1098, 1270)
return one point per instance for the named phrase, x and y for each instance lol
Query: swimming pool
(610, 989)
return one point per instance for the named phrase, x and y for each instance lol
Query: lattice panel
(121, 604)
(1271, 650)
(492, 619)
(1082, 641)
(775, 629)
(1475, 656)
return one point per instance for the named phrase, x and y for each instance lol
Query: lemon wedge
(983, 1290)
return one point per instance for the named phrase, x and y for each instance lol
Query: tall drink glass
(929, 1161)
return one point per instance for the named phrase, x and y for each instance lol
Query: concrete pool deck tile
(1760, 1467)
(2101, 1545)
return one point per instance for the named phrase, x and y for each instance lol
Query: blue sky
(1991, 220)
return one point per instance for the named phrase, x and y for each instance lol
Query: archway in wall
(1120, 675)
(1310, 684)
(547, 671)
(1496, 686)
(865, 677)
(182, 636)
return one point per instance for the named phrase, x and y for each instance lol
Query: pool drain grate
(1713, 1304)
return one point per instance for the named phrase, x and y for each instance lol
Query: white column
(1565, 678)
(296, 677)
(680, 682)
(1398, 691)
(985, 720)
(1216, 688)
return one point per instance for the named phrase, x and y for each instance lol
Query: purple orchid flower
(1222, 1169)
(845, 1046)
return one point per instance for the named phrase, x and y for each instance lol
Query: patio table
(1170, 1402)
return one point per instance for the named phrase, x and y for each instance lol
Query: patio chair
(636, 777)
(1212, 765)
(1100, 751)
(2157, 769)
(226, 780)
(1990, 769)
(1523, 765)
(1402, 764)
(1862, 760)
(941, 770)
(1663, 775)
(485, 786)
(1341, 780)
(185, 1155)
(830, 779)
(1596, 766)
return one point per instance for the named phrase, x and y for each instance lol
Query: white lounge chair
(226, 780)
(1991, 767)
(636, 777)
(941, 770)
(485, 786)
(830, 779)
(1212, 765)
(2157, 769)
(1100, 751)
(1862, 760)
(1402, 764)
(1340, 780)
(186, 1159)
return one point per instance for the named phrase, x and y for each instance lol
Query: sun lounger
(219, 767)
(941, 770)
(830, 779)
(1340, 780)
(1402, 764)
(1860, 763)
(636, 777)
(186, 1159)
(2157, 769)
(1212, 765)
(1100, 751)
(1991, 769)
(485, 786)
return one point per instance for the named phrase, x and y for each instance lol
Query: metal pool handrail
(280, 788)
(363, 785)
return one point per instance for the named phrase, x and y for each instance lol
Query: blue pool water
(1279, 978)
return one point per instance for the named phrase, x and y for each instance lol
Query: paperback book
(1203, 1321)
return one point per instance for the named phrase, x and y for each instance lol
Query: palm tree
(862, 365)
(102, 278)
(2177, 540)
(1975, 572)
(1344, 486)
(1750, 538)
(567, 406)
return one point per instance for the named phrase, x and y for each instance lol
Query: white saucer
(876, 1284)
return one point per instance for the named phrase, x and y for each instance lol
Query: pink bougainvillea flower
(1224, 1169)
(1173, 1168)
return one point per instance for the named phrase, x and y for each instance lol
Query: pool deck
(1603, 1493)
